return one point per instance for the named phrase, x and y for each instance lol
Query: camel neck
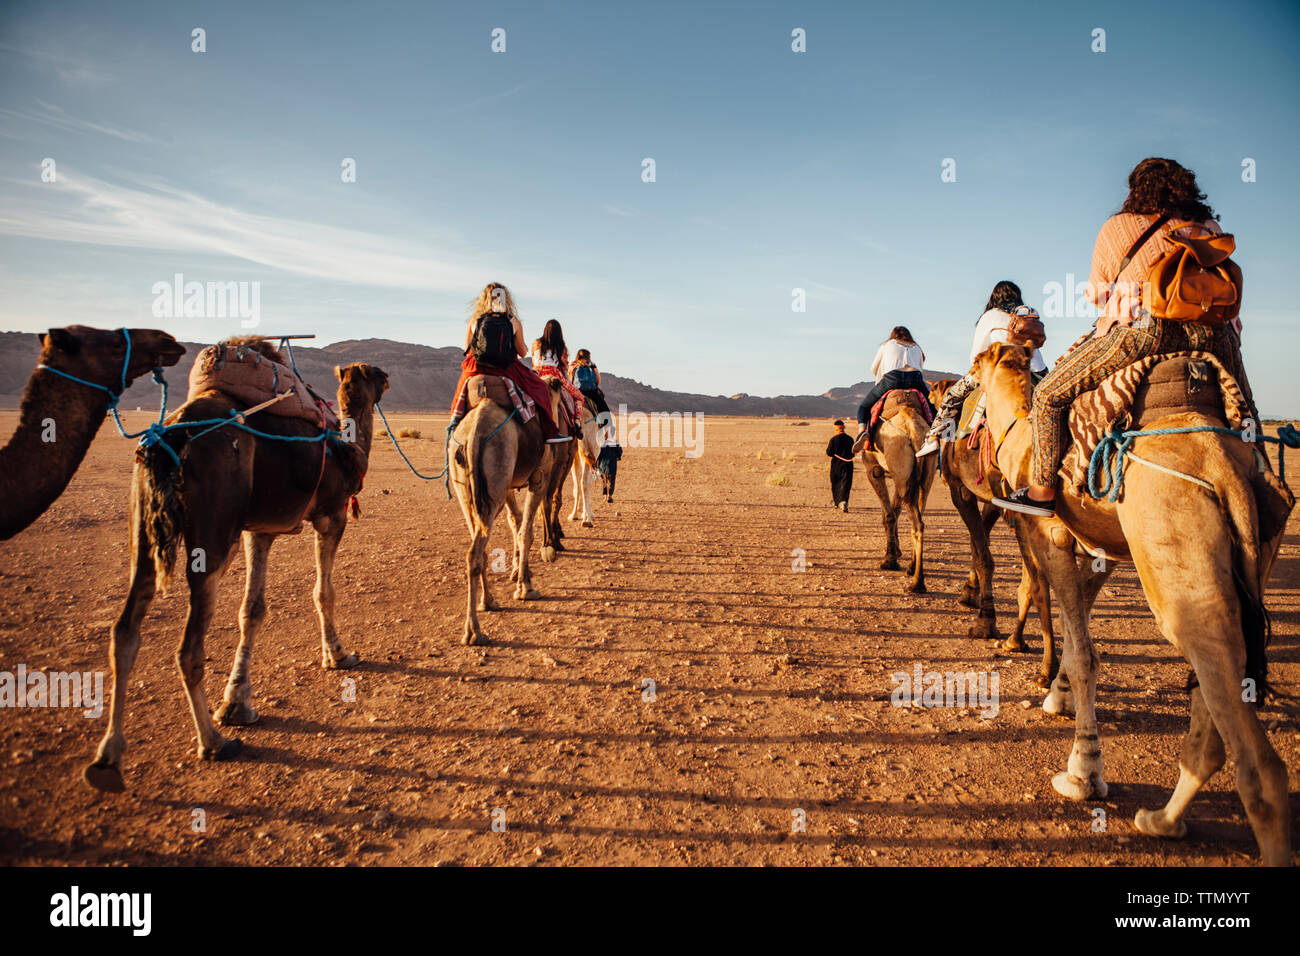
(58, 420)
(363, 414)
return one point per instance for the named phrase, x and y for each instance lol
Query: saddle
(895, 401)
(972, 413)
(1166, 384)
(249, 372)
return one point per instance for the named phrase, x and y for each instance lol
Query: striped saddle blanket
(1138, 394)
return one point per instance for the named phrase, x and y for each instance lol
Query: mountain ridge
(422, 377)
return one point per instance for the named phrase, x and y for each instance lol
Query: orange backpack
(1195, 281)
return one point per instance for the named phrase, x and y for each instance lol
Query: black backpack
(494, 340)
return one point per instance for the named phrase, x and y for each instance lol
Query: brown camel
(494, 453)
(971, 484)
(59, 417)
(898, 437)
(230, 482)
(1199, 555)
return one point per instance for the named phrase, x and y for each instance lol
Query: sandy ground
(771, 706)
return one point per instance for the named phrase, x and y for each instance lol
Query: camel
(59, 417)
(1202, 564)
(584, 468)
(230, 482)
(495, 454)
(900, 434)
(971, 484)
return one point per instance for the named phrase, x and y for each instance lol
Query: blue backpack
(584, 376)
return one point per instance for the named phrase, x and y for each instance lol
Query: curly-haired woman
(1125, 332)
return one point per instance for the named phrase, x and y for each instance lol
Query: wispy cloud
(59, 119)
(155, 215)
(72, 71)
(614, 209)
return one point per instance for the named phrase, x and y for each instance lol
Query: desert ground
(771, 705)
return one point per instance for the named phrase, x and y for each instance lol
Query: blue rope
(1108, 458)
(115, 397)
(445, 474)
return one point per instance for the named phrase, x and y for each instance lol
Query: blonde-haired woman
(494, 343)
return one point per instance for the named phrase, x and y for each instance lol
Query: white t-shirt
(893, 356)
(544, 358)
(992, 327)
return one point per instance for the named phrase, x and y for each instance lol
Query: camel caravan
(1141, 446)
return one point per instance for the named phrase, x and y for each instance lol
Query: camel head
(96, 355)
(1003, 370)
(939, 389)
(360, 384)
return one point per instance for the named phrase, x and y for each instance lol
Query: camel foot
(984, 628)
(1070, 786)
(474, 638)
(1014, 643)
(588, 524)
(1062, 705)
(1155, 823)
(489, 606)
(235, 714)
(1045, 681)
(105, 777)
(527, 593)
(346, 662)
(916, 587)
(969, 599)
(889, 564)
(548, 554)
(227, 751)
(573, 517)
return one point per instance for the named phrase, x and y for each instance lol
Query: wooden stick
(257, 408)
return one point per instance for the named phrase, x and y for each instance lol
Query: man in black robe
(840, 452)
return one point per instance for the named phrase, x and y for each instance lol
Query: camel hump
(901, 399)
(248, 371)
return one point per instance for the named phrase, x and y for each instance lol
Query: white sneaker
(929, 448)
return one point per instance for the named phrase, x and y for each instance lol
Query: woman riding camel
(1163, 199)
(550, 359)
(898, 364)
(999, 313)
(584, 374)
(494, 343)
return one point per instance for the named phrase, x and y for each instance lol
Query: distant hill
(421, 379)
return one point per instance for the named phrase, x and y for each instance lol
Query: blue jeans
(887, 383)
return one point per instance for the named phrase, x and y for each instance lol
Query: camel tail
(1239, 502)
(160, 510)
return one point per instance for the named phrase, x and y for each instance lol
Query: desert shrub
(778, 479)
(409, 433)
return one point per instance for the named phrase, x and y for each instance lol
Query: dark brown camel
(971, 484)
(231, 482)
(59, 417)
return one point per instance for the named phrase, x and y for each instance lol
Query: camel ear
(62, 340)
(338, 372)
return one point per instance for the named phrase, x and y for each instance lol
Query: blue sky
(775, 170)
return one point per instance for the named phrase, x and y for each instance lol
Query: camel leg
(514, 517)
(888, 515)
(916, 513)
(1202, 756)
(237, 706)
(475, 568)
(329, 533)
(105, 772)
(577, 487)
(1083, 777)
(524, 590)
(978, 591)
(587, 486)
(189, 659)
(1199, 612)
